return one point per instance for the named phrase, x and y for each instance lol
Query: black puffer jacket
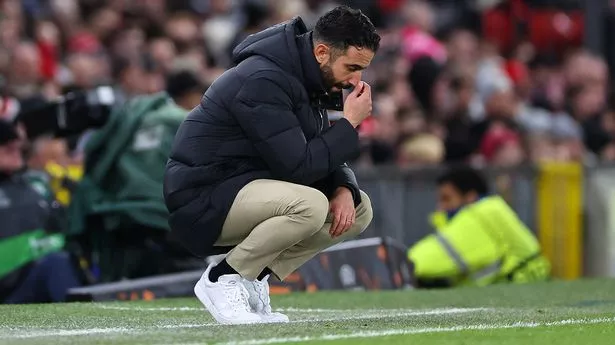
(261, 119)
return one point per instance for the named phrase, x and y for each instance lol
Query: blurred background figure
(185, 88)
(465, 248)
(34, 268)
(459, 62)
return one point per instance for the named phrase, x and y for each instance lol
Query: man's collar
(312, 75)
(452, 213)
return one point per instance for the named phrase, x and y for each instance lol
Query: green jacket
(125, 163)
(484, 243)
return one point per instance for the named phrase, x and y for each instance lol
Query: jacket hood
(277, 44)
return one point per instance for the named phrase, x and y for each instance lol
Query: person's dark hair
(422, 79)
(343, 27)
(182, 82)
(466, 180)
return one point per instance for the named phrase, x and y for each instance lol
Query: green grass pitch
(562, 313)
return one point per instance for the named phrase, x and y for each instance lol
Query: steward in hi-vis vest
(479, 240)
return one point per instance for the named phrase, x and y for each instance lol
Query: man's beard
(329, 79)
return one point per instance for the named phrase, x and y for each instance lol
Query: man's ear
(322, 52)
(471, 197)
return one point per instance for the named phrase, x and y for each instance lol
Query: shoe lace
(262, 288)
(237, 296)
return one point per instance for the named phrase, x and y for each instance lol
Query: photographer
(33, 267)
(117, 210)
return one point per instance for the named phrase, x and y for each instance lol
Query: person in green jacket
(118, 209)
(478, 239)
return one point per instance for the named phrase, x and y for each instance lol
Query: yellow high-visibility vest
(484, 243)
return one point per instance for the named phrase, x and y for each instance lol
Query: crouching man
(258, 168)
(479, 240)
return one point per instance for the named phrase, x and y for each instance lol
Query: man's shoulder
(260, 69)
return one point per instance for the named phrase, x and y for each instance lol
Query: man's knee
(365, 213)
(312, 206)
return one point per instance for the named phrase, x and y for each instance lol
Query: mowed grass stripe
(414, 331)
(25, 332)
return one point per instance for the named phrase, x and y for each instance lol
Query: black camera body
(71, 115)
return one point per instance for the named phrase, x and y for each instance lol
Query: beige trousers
(281, 226)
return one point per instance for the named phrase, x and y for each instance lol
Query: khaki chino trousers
(281, 226)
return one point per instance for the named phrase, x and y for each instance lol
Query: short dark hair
(466, 180)
(182, 82)
(343, 27)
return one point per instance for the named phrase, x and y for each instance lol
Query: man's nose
(355, 78)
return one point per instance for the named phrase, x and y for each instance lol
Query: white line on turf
(411, 331)
(113, 307)
(358, 315)
(384, 313)
(297, 310)
(286, 310)
(40, 333)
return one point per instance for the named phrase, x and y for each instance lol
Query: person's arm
(459, 249)
(344, 177)
(264, 111)
(431, 261)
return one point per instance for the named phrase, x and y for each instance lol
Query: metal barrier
(547, 198)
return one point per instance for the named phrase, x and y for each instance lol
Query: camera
(70, 115)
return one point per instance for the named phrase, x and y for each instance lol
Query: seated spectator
(502, 147)
(185, 88)
(50, 162)
(479, 240)
(33, 267)
(424, 149)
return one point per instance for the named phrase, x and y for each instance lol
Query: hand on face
(358, 104)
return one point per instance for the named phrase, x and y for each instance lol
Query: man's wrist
(355, 125)
(341, 190)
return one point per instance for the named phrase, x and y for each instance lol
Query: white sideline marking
(384, 313)
(308, 310)
(389, 332)
(112, 307)
(282, 310)
(359, 315)
(287, 310)
(40, 333)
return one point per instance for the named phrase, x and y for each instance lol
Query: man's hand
(358, 105)
(342, 210)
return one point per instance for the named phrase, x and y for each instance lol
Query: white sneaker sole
(204, 298)
(273, 319)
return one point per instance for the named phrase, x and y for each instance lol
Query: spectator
(34, 268)
(429, 86)
(164, 52)
(454, 88)
(186, 89)
(417, 37)
(424, 149)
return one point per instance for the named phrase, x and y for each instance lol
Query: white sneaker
(226, 300)
(260, 302)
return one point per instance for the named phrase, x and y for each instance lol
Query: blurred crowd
(448, 86)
